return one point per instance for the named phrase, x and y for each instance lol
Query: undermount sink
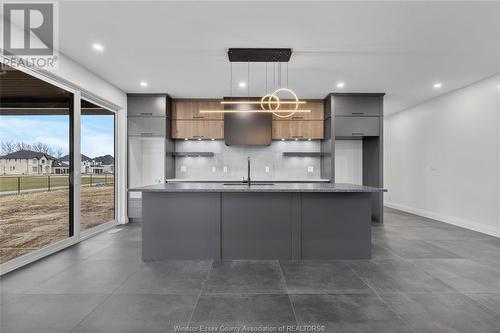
(252, 184)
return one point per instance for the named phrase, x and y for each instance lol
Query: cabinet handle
(198, 136)
(146, 134)
(146, 113)
(297, 136)
(297, 117)
(198, 117)
(357, 134)
(357, 113)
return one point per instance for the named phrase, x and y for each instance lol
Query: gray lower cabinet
(360, 106)
(146, 126)
(134, 208)
(351, 127)
(263, 233)
(146, 106)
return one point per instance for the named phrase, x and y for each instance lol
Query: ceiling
(400, 48)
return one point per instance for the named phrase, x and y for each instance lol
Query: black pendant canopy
(259, 55)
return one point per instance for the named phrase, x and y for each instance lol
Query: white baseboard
(492, 231)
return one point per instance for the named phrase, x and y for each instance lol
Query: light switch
(267, 169)
(183, 168)
(310, 169)
(214, 169)
(224, 169)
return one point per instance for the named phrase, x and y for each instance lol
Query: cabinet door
(357, 126)
(146, 106)
(216, 129)
(190, 129)
(190, 109)
(293, 129)
(356, 106)
(142, 126)
(317, 112)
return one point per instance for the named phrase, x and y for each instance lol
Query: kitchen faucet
(248, 180)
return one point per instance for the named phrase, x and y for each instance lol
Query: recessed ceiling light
(143, 84)
(437, 85)
(242, 84)
(340, 85)
(98, 47)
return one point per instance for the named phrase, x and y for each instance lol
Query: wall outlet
(183, 168)
(224, 169)
(214, 169)
(310, 169)
(267, 169)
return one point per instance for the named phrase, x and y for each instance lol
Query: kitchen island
(262, 221)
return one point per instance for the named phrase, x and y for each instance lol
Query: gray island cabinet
(263, 221)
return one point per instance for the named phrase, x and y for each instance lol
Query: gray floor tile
(90, 276)
(443, 313)
(27, 277)
(379, 252)
(122, 250)
(417, 249)
(469, 248)
(347, 313)
(245, 277)
(252, 310)
(489, 300)
(313, 277)
(139, 313)
(464, 275)
(170, 277)
(46, 313)
(397, 276)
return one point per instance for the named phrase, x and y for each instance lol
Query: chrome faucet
(248, 180)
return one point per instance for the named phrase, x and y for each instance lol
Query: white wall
(442, 158)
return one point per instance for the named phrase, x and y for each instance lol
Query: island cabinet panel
(180, 226)
(250, 233)
(344, 234)
(197, 129)
(358, 106)
(189, 109)
(297, 129)
(317, 111)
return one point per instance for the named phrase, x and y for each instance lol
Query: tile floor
(425, 276)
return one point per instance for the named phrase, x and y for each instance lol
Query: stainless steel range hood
(247, 128)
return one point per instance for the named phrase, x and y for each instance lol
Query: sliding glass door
(97, 189)
(36, 120)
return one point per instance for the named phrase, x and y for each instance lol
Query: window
(31, 217)
(97, 190)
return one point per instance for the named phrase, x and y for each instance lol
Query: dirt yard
(31, 221)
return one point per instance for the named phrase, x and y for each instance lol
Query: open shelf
(193, 154)
(303, 153)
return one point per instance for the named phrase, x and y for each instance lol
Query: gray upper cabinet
(147, 127)
(352, 127)
(147, 106)
(358, 106)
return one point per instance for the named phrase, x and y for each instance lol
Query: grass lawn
(30, 221)
(9, 183)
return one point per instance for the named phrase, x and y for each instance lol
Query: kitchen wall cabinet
(357, 106)
(189, 109)
(297, 129)
(147, 126)
(197, 129)
(352, 127)
(147, 106)
(317, 111)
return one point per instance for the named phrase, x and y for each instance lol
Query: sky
(97, 132)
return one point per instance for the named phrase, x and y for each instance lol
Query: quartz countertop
(268, 187)
(303, 180)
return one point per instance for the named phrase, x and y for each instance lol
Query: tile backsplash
(230, 162)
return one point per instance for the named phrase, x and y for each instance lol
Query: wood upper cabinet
(188, 109)
(197, 129)
(317, 111)
(296, 129)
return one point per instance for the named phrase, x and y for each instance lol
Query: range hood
(247, 128)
